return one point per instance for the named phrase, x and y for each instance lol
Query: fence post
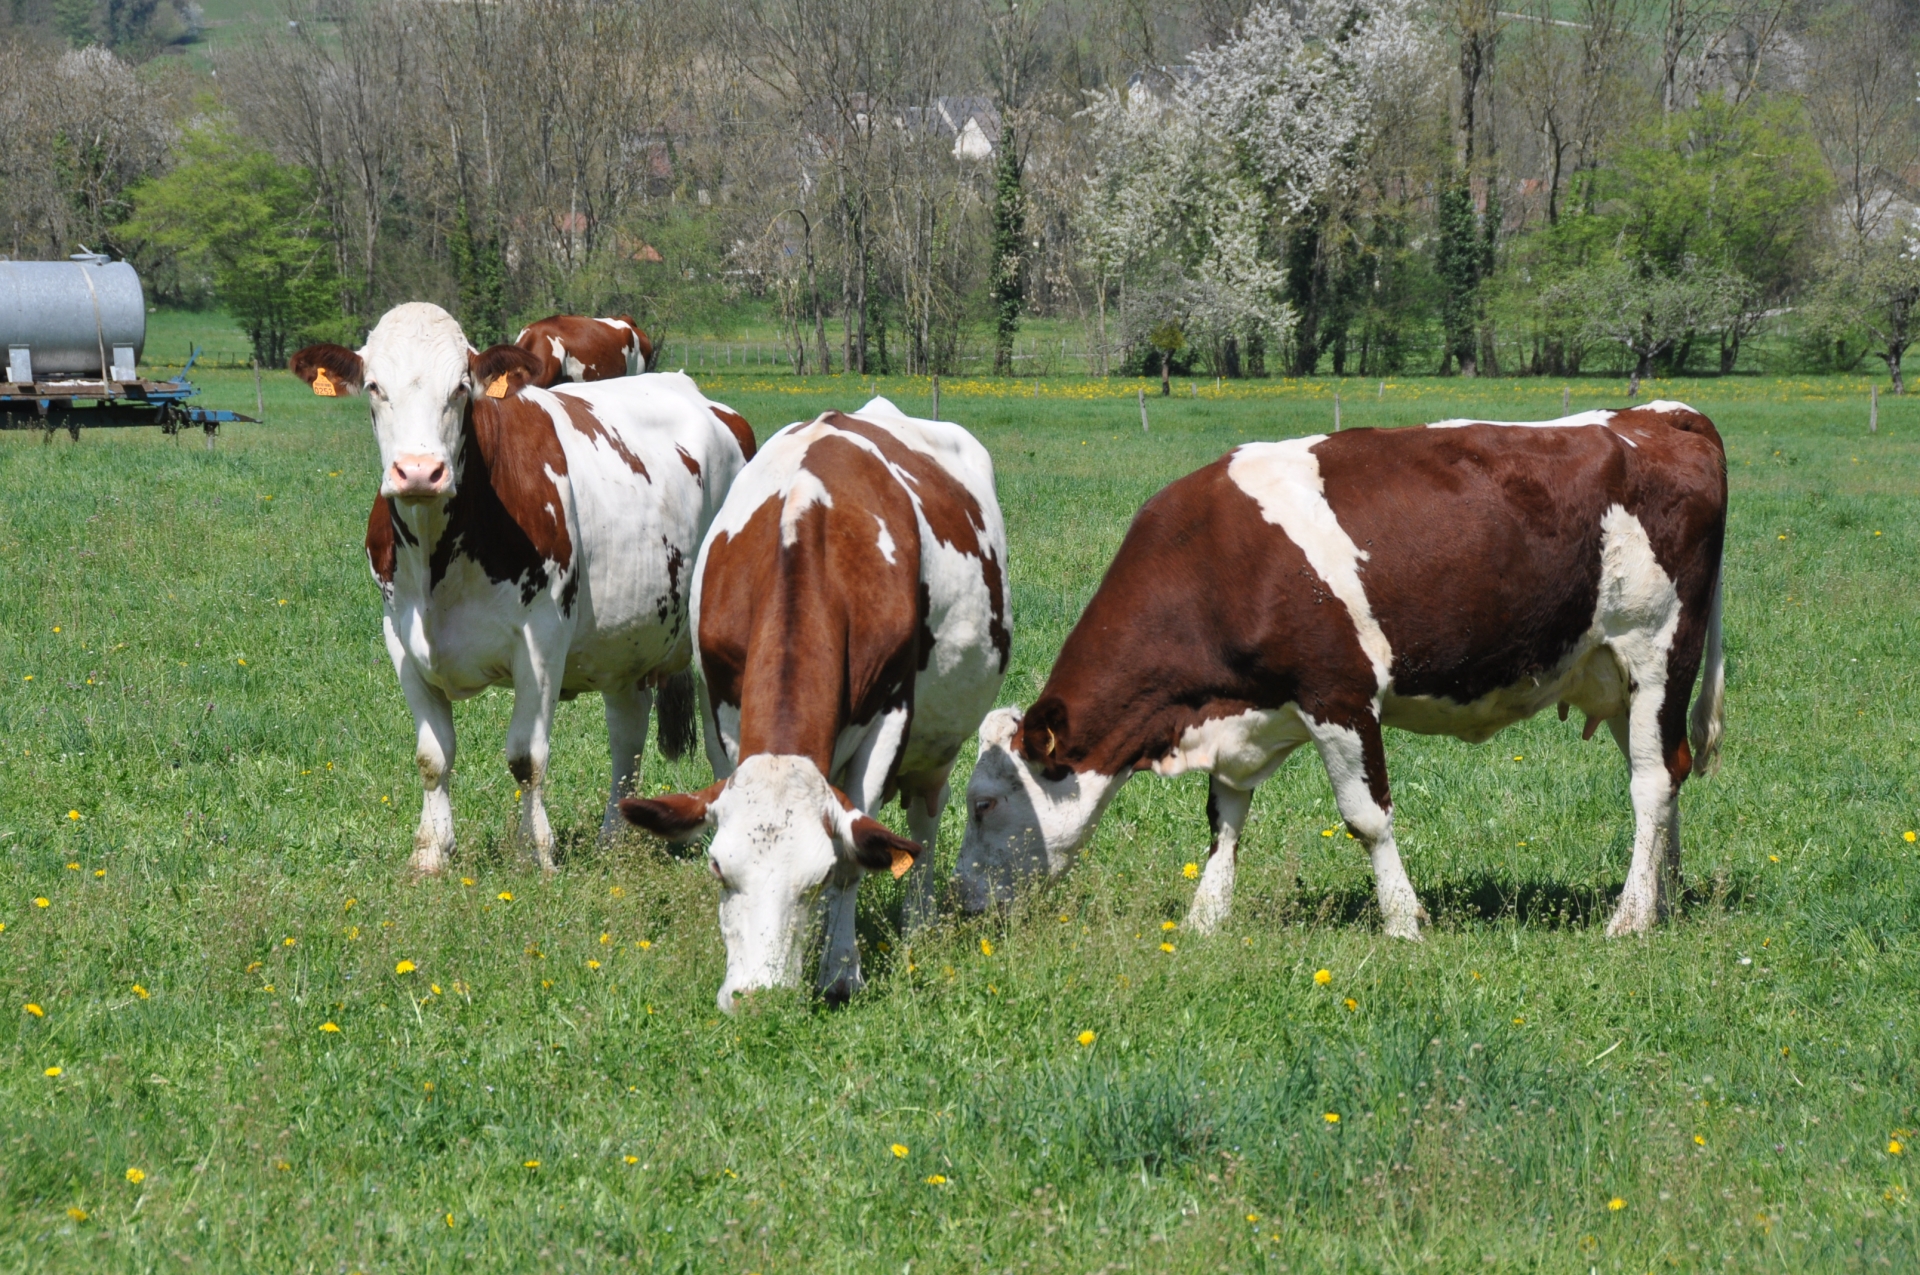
(259, 404)
(1382, 395)
(1566, 398)
(1143, 409)
(1873, 409)
(936, 396)
(1336, 411)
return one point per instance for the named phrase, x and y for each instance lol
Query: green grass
(241, 830)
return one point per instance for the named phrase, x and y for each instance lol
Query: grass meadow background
(209, 795)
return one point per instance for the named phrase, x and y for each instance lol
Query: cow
(571, 347)
(850, 611)
(534, 537)
(1447, 580)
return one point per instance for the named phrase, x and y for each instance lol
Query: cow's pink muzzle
(414, 478)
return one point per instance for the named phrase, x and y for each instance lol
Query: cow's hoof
(427, 863)
(841, 990)
(1404, 927)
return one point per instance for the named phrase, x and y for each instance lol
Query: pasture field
(235, 1037)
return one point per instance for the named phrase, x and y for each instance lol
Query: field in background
(210, 795)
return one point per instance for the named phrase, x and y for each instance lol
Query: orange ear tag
(322, 386)
(498, 389)
(901, 862)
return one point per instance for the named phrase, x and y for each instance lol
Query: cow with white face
(1449, 580)
(850, 613)
(534, 538)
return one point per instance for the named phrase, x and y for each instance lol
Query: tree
(250, 225)
(1644, 311)
(1875, 286)
(1008, 286)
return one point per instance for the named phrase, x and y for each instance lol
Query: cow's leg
(923, 825)
(627, 710)
(1356, 762)
(865, 784)
(1658, 760)
(1227, 808)
(536, 688)
(433, 750)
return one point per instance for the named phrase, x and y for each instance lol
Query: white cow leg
(627, 712)
(1227, 809)
(923, 825)
(840, 975)
(433, 751)
(1356, 764)
(1656, 815)
(535, 690)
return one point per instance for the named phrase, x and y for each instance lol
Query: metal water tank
(58, 318)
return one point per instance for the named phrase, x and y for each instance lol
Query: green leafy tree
(250, 226)
(1009, 249)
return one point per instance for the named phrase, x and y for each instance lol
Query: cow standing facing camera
(533, 537)
(1449, 580)
(850, 612)
(571, 347)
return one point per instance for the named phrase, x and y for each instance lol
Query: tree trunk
(1895, 352)
(1643, 364)
(1166, 374)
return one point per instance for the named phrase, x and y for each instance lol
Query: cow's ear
(678, 817)
(503, 370)
(1001, 729)
(878, 848)
(1043, 735)
(332, 370)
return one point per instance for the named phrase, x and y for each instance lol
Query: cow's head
(1027, 811)
(781, 832)
(419, 375)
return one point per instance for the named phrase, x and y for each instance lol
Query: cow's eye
(982, 806)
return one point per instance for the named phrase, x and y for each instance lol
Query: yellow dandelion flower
(605, 939)
(51, 1072)
(505, 896)
(267, 988)
(618, 892)
(1519, 757)
(289, 941)
(631, 1159)
(1908, 835)
(531, 1164)
(1699, 1140)
(466, 880)
(1169, 925)
(41, 903)
(73, 867)
(77, 1214)
(936, 1179)
(99, 872)
(141, 992)
(1351, 1003)
(1332, 1117)
(1253, 1217)
(593, 964)
(404, 967)
(899, 1151)
(1190, 871)
(136, 1176)
(434, 988)
(1166, 947)
(1519, 1022)
(1323, 977)
(1773, 858)
(329, 1026)
(644, 944)
(986, 948)
(1896, 1147)
(281, 1166)
(35, 1010)
(1326, 832)
(1087, 1037)
(1616, 1203)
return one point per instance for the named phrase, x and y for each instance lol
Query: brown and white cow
(571, 347)
(1449, 580)
(534, 537)
(850, 608)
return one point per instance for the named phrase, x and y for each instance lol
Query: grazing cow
(530, 536)
(850, 609)
(573, 348)
(1449, 580)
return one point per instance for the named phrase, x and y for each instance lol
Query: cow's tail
(679, 714)
(1709, 720)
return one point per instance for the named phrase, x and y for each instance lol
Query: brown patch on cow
(951, 512)
(600, 349)
(503, 362)
(506, 512)
(343, 367)
(810, 637)
(674, 817)
(1483, 569)
(589, 425)
(383, 550)
(737, 425)
(693, 466)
